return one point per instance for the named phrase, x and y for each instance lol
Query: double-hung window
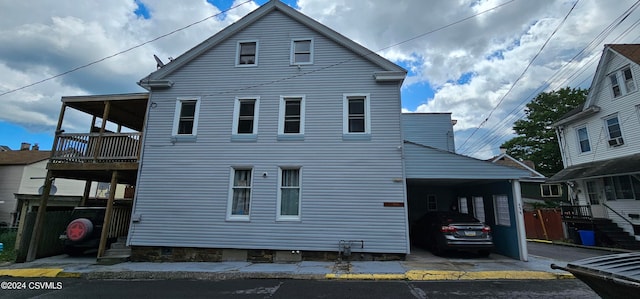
(622, 82)
(185, 120)
(302, 51)
(501, 210)
(613, 128)
(245, 117)
(583, 139)
(356, 118)
(240, 194)
(289, 194)
(247, 53)
(291, 120)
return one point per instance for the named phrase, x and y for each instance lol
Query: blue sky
(463, 57)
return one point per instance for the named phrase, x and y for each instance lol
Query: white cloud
(43, 38)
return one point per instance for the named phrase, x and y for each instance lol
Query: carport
(442, 180)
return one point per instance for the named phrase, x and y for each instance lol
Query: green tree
(537, 140)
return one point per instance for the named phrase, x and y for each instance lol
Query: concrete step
(118, 252)
(119, 245)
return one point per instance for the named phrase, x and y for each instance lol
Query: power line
(560, 73)
(522, 74)
(123, 51)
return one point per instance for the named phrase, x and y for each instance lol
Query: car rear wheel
(79, 229)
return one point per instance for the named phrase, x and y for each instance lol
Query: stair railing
(636, 228)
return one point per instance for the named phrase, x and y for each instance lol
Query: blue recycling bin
(1, 247)
(588, 237)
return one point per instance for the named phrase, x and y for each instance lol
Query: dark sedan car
(442, 231)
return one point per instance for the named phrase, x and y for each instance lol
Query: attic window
(622, 82)
(247, 53)
(302, 51)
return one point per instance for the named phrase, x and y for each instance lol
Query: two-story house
(278, 139)
(600, 146)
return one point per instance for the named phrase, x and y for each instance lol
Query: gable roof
(425, 162)
(629, 51)
(23, 157)
(506, 160)
(251, 18)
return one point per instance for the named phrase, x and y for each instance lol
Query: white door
(596, 198)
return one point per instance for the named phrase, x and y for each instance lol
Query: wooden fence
(55, 222)
(544, 225)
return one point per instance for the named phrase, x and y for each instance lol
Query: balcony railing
(96, 147)
(576, 212)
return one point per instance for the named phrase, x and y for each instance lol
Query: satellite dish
(53, 190)
(158, 61)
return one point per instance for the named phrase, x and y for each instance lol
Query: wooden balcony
(93, 156)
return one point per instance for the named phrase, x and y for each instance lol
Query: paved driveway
(564, 253)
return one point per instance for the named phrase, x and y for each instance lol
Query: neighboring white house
(600, 141)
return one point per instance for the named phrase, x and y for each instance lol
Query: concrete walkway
(419, 265)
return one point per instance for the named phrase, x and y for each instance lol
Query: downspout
(520, 229)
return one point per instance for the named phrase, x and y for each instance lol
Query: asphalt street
(564, 253)
(274, 288)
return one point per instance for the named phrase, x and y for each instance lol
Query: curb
(580, 246)
(412, 275)
(430, 275)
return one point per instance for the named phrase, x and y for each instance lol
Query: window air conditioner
(616, 141)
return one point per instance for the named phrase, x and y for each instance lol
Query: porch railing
(96, 147)
(120, 218)
(576, 212)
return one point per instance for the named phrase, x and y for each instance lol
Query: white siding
(626, 108)
(9, 181)
(183, 187)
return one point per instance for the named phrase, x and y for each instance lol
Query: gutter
(582, 114)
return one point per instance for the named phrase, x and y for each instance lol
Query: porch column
(105, 116)
(522, 233)
(107, 215)
(37, 227)
(85, 194)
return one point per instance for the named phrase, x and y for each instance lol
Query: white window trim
(501, 221)
(578, 139)
(232, 173)
(292, 54)
(345, 113)
(606, 124)
(550, 190)
(176, 116)
(280, 217)
(237, 58)
(236, 116)
(281, 115)
(622, 83)
(478, 209)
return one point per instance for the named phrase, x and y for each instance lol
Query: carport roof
(617, 166)
(425, 162)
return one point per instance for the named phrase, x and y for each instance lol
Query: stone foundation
(192, 254)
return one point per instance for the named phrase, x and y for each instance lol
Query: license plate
(469, 233)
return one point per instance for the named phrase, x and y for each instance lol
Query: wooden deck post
(105, 116)
(85, 194)
(37, 227)
(107, 215)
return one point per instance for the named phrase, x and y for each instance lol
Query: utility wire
(547, 84)
(521, 75)
(123, 51)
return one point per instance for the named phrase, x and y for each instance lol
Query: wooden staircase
(119, 252)
(610, 234)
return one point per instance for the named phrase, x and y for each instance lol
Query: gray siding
(430, 163)
(432, 129)
(183, 188)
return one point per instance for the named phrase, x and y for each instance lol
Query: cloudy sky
(467, 57)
